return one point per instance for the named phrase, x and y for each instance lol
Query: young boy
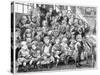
(64, 43)
(72, 42)
(24, 54)
(35, 48)
(45, 27)
(56, 50)
(36, 53)
(64, 46)
(39, 35)
(79, 48)
(56, 47)
(34, 22)
(47, 46)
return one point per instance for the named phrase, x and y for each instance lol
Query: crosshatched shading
(54, 37)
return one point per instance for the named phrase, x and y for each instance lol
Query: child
(17, 37)
(35, 47)
(72, 42)
(33, 51)
(34, 23)
(52, 40)
(45, 27)
(36, 54)
(64, 45)
(56, 49)
(62, 28)
(24, 54)
(33, 34)
(27, 34)
(79, 48)
(47, 46)
(56, 46)
(29, 40)
(39, 35)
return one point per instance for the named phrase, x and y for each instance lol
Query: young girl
(27, 34)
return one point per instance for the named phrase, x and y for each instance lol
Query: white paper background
(5, 37)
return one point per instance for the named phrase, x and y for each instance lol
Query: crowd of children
(49, 35)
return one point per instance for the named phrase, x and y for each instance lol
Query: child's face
(38, 51)
(28, 35)
(17, 34)
(24, 19)
(28, 40)
(50, 10)
(79, 38)
(28, 30)
(57, 41)
(44, 23)
(64, 22)
(24, 47)
(33, 19)
(70, 21)
(53, 38)
(46, 40)
(39, 33)
(49, 32)
(56, 33)
(33, 33)
(65, 18)
(60, 14)
(76, 21)
(23, 43)
(33, 46)
(64, 40)
(38, 37)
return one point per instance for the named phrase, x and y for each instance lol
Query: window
(29, 9)
(16, 7)
(25, 8)
(20, 8)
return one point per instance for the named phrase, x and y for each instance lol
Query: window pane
(25, 8)
(29, 9)
(20, 8)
